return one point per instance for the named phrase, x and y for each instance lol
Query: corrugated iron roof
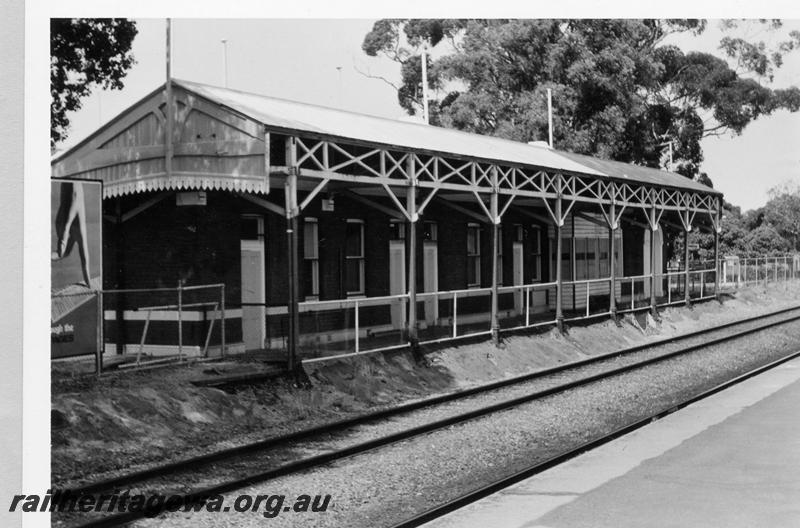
(304, 117)
(638, 173)
(338, 123)
(322, 120)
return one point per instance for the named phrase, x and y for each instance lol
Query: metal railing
(581, 299)
(674, 284)
(357, 325)
(126, 319)
(745, 271)
(349, 313)
(456, 314)
(637, 296)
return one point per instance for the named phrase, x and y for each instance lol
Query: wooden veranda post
(653, 229)
(411, 210)
(559, 284)
(612, 226)
(180, 320)
(292, 213)
(495, 247)
(119, 298)
(717, 264)
(98, 360)
(686, 296)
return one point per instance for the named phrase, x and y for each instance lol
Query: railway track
(221, 472)
(494, 487)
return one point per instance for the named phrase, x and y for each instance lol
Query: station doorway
(253, 278)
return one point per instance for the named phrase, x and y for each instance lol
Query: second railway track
(227, 470)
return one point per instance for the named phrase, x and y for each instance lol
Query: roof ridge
(323, 107)
(370, 116)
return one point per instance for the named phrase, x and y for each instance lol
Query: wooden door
(430, 279)
(253, 294)
(397, 281)
(518, 276)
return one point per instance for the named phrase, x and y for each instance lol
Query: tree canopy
(769, 230)
(782, 212)
(621, 91)
(85, 53)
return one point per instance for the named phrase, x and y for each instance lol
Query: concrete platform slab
(731, 460)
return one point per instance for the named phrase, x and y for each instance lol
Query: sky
(320, 61)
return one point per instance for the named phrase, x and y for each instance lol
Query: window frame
(581, 258)
(536, 253)
(500, 255)
(360, 258)
(434, 231)
(314, 260)
(398, 228)
(603, 263)
(476, 256)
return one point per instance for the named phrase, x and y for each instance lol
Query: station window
(397, 229)
(536, 253)
(604, 268)
(473, 256)
(311, 258)
(251, 228)
(430, 231)
(500, 255)
(602, 250)
(591, 258)
(587, 264)
(566, 259)
(581, 260)
(354, 257)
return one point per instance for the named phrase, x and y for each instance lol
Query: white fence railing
(744, 271)
(357, 325)
(453, 314)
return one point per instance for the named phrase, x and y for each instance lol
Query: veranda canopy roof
(128, 152)
(303, 117)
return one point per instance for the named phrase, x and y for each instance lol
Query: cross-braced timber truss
(330, 160)
(325, 160)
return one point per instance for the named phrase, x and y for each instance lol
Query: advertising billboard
(76, 266)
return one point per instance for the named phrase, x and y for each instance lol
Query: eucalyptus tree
(621, 89)
(85, 53)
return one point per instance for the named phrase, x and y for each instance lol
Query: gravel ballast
(390, 484)
(126, 421)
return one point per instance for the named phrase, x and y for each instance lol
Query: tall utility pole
(425, 114)
(339, 70)
(225, 60)
(169, 106)
(550, 114)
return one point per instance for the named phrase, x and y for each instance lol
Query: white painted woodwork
(253, 291)
(517, 255)
(397, 281)
(430, 279)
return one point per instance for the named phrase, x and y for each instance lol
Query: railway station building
(333, 232)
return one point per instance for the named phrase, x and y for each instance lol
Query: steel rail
(475, 495)
(324, 458)
(160, 470)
